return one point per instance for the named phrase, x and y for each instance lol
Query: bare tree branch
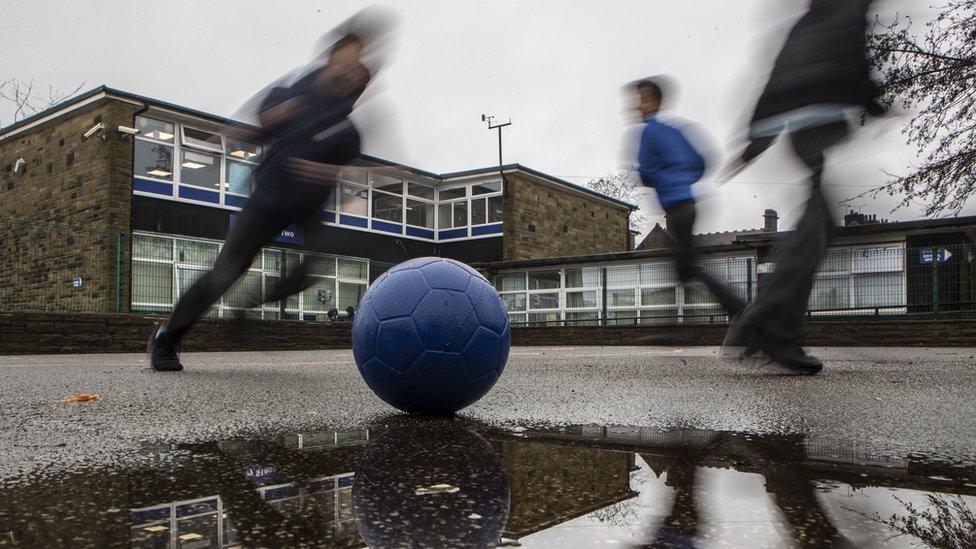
(27, 102)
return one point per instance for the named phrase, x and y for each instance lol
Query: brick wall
(75, 196)
(543, 221)
(53, 333)
(58, 333)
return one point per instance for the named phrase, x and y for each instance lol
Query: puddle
(438, 483)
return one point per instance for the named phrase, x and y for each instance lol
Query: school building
(115, 202)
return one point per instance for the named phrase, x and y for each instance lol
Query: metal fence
(59, 267)
(853, 281)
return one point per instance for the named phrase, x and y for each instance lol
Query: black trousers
(681, 223)
(777, 314)
(267, 213)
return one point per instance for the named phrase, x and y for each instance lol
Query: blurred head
(344, 72)
(649, 97)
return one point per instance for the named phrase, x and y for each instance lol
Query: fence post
(119, 271)
(935, 281)
(282, 272)
(603, 276)
(748, 279)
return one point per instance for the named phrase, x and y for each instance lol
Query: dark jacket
(823, 61)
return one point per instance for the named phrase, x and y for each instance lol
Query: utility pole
(492, 126)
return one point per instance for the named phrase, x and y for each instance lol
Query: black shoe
(163, 353)
(796, 360)
(742, 340)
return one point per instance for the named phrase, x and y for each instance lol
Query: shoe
(741, 341)
(796, 360)
(163, 353)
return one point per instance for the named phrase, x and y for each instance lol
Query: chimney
(770, 221)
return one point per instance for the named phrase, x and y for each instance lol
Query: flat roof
(151, 102)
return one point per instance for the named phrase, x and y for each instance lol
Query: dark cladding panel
(481, 250)
(166, 216)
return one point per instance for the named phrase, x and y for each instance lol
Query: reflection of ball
(431, 336)
(430, 484)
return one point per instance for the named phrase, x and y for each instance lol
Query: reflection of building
(553, 484)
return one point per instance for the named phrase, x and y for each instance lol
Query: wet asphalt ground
(891, 401)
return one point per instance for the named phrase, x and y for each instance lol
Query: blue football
(431, 336)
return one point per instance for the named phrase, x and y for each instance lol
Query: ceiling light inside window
(193, 165)
(159, 173)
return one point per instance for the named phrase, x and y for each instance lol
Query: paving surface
(895, 401)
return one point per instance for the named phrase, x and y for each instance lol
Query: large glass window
(350, 295)
(388, 184)
(495, 213)
(387, 207)
(544, 301)
(444, 218)
(243, 150)
(878, 290)
(460, 214)
(581, 300)
(583, 277)
(830, 293)
(153, 160)
(200, 169)
(665, 295)
(622, 277)
(202, 139)
(510, 282)
(420, 191)
(543, 280)
(155, 129)
(479, 211)
(349, 268)
(152, 284)
(451, 194)
(420, 214)
(514, 302)
(240, 177)
(487, 188)
(353, 199)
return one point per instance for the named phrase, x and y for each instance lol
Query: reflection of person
(820, 75)
(350, 313)
(313, 138)
(680, 527)
(669, 163)
(333, 314)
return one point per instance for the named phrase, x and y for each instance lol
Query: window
(510, 282)
(878, 259)
(451, 194)
(191, 252)
(242, 150)
(200, 169)
(352, 175)
(487, 188)
(622, 277)
(878, 289)
(582, 318)
(479, 211)
(156, 130)
(543, 280)
(153, 160)
(830, 293)
(420, 191)
(621, 298)
(240, 177)
(581, 300)
(202, 139)
(544, 301)
(147, 247)
(350, 294)
(352, 199)
(583, 278)
(352, 269)
(420, 214)
(152, 284)
(388, 184)
(444, 218)
(514, 302)
(544, 319)
(387, 207)
(460, 214)
(666, 295)
(495, 209)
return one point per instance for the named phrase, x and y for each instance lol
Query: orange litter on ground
(83, 397)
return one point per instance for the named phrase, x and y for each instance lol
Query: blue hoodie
(668, 162)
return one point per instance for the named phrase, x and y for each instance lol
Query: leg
(682, 221)
(252, 230)
(297, 279)
(774, 321)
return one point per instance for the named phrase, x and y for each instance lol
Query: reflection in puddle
(439, 483)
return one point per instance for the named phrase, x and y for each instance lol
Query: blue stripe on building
(486, 229)
(353, 221)
(422, 233)
(199, 194)
(236, 201)
(155, 187)
(387, 227)
(452, 233)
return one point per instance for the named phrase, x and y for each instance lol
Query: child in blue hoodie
(670, 164)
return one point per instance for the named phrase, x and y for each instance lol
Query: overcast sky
(554, 67)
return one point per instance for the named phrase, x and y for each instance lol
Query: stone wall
(52, 333)
(62, 218)
(57, 333)
(543, 221)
